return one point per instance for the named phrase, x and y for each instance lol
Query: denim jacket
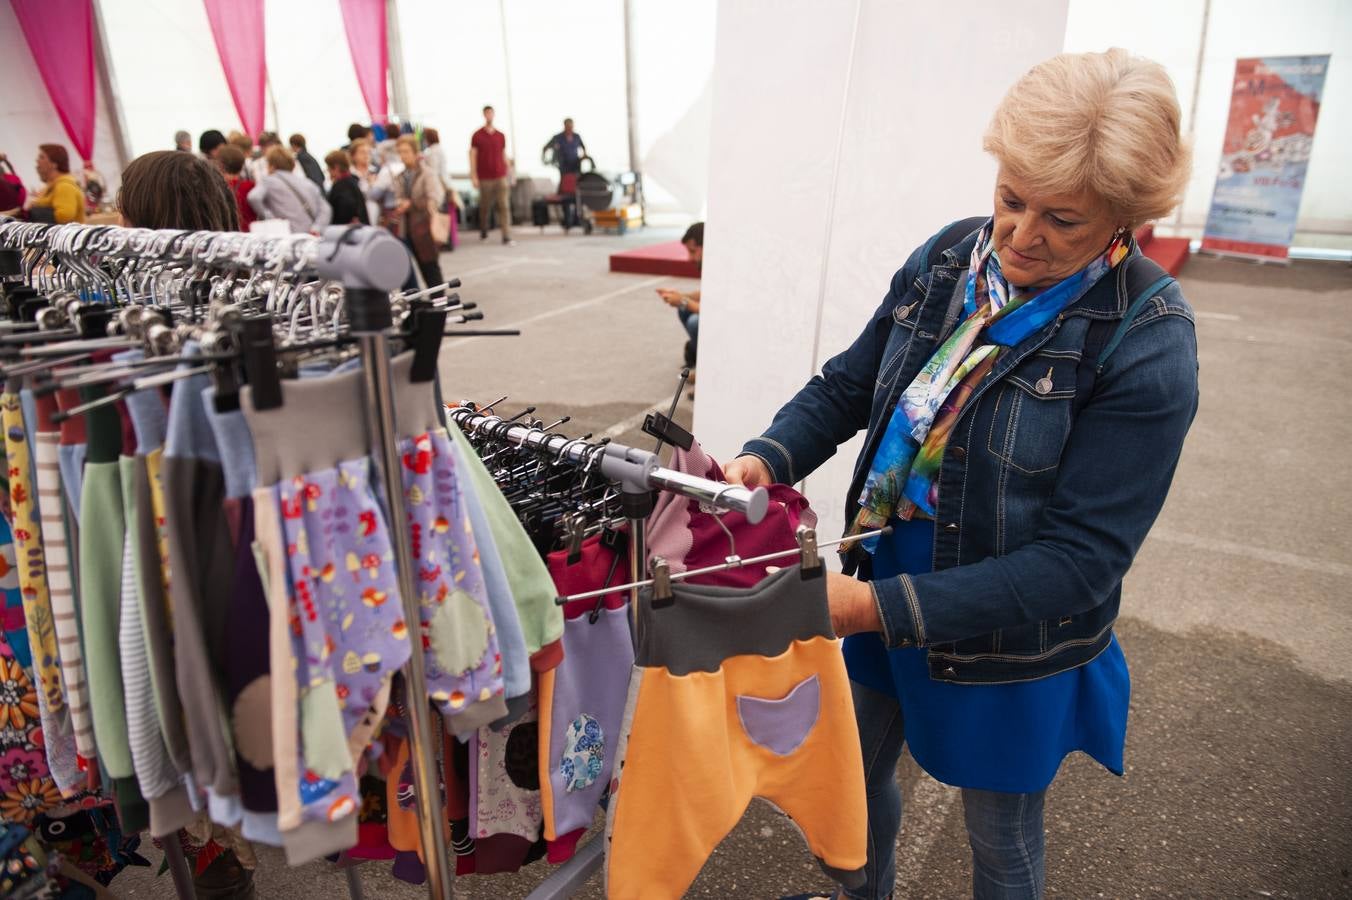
(1040, 512)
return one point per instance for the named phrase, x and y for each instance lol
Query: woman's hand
(402, 207)
(748, 471)
(853, 606)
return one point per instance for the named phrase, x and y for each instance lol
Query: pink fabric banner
(237, 26)
(60, 35)
(364, 21)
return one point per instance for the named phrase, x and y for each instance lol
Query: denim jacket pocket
(898, 342)
(1031, 417)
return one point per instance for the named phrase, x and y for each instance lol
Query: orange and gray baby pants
(736, 693)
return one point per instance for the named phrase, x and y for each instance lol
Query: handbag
(441, 227)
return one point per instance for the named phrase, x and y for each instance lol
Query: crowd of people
(398, 179)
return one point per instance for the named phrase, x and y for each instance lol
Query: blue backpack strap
(949, 238)
(1144, 280)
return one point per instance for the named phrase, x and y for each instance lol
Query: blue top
(996, 737)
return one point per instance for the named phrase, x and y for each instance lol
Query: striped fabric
(50, 500)
(155, 771)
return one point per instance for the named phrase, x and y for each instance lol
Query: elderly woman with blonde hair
(1026, 387)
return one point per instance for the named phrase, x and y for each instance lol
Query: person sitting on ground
(345, 196)
(282, 194)
(61, 200)
(687, 303)
(210, 143)
(308, 163)
(231, 160)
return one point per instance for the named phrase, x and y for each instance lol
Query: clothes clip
(574, 527)
(662, 596)
(811, 562)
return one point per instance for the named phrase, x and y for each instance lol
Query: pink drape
(237, 26)
(364, 21)
(60, 35)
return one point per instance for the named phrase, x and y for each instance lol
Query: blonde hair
(1106, 122)
(408, 140)
(280, 158)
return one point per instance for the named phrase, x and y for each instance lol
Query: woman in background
(418, 194)
(61, 193)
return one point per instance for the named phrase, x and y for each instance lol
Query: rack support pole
(370, 320)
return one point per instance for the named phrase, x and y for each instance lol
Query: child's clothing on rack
(737, 692)
(582, 700)
(690, 535)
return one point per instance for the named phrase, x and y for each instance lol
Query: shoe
(483, 235)
(225, 879)
(508, 242)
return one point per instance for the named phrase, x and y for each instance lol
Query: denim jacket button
(959, 453)
(951, 526)
(950, 672)
(902, 313)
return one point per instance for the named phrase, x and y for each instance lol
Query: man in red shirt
(488, 171)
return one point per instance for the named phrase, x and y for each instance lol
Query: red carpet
(659, 259)
(1170, 253)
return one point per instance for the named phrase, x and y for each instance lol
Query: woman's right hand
(748, 471)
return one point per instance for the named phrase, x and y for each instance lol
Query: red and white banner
(1274, 106)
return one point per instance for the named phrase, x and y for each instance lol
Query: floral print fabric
(464, 666)
(348, 632)
(27, 532)
(26, 787)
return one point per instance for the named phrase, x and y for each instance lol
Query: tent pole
(507, 72)
(393, 40)
(103, 63)
(631, 102)
(1196, 89)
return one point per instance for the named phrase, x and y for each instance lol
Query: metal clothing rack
(638, 473)
(369, 263)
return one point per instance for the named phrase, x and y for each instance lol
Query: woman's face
(46, 168)
(361, 158)
(1045, 238)
(408, 155)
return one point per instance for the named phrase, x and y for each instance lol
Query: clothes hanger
(808, 551)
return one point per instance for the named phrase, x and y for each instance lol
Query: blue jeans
(691, 322)
(1004, 830)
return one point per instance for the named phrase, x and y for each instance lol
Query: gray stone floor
(1236, 620)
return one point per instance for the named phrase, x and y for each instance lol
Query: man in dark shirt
(309, 165)
(346, 198)
(488, 171)
(567, 150)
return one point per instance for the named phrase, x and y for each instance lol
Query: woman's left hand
(853, 606)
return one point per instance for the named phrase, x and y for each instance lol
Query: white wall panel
(833, 154)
